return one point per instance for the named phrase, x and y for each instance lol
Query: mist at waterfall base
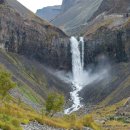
(81, 76)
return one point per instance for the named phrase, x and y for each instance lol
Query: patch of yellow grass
(96, 26)
(104, 112)
(12, 115)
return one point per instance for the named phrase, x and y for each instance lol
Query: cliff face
(27, 34)
(49, 13)
(107, 42)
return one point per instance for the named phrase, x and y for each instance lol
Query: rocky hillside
(49, 13)
(77, 14)
(25, 33)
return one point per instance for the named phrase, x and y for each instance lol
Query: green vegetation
(109, 117)
(120, 118)
(28, 93)
(54, 103)
(28, 71)
(6, 82)
(13, 114)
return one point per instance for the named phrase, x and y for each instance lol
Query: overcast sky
(33, 5)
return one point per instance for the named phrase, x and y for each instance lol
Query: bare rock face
(107, 42)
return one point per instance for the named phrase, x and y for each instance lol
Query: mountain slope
(82, 12)
(49, 13)
(78, 14)
(33, 78)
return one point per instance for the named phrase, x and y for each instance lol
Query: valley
(79, 50)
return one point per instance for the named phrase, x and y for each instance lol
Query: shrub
(54, 103)
(25, 121)
(6, 82)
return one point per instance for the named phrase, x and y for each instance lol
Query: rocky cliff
(25, 33)
(49, 13)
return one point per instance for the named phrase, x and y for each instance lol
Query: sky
(33, 5)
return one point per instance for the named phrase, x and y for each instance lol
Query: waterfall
(77, 67)
(77, 71)
(80, 77)
(82, 47)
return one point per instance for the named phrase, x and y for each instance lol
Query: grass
(29, 94)
(108, 114)
(96, 26)
(12, 115)
(27, 71)
(105, 111)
